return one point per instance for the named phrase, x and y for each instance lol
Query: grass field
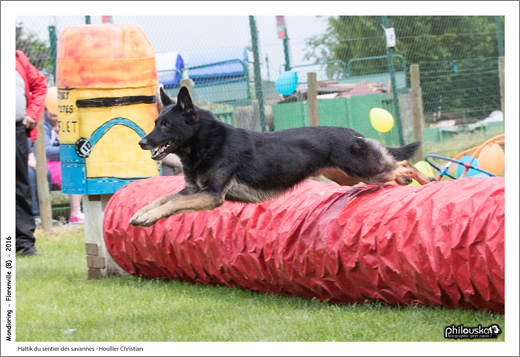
(55, 302)
(452, 147)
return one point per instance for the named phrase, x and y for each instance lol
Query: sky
(187, 33)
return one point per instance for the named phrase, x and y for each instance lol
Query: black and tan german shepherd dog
(221, 162)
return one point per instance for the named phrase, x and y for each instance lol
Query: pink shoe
(79, 219)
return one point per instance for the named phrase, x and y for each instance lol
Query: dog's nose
(143, 143)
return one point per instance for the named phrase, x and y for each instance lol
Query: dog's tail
(405, 152)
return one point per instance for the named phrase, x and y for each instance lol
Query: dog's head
(174, 127)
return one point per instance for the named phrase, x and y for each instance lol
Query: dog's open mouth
(164, 150)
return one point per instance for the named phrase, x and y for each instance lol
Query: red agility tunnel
(438, 244)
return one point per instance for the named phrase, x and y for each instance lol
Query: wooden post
(312, 99)
(187, 83)
(99, 262)
(417, 109)
(501, 73)
(42, 184)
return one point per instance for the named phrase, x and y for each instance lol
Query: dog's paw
(134, 219)
(143, 220)
(403, 180)
(137, 219)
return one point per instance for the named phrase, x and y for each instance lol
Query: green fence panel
(359, 110)
(290, 115)
(228, 118)
(333, 112)
(353, 112)
(432, 135)
(437, 135)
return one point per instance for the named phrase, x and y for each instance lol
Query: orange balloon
(51, 100)
(492, 159)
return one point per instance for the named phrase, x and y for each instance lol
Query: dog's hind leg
(339, 176)
(403, 181)
(404, 171)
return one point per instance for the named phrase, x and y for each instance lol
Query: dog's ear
(164, 98)
(184, 100)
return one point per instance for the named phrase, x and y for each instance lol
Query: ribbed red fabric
(438, 244)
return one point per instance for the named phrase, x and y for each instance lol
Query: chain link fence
(459, 74)
(233, 63)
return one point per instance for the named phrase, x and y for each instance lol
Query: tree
(36, 50)
(457, 55)
(347, 37)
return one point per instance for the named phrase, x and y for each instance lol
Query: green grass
(58, 197)
(60, 206)
(53, 296)
(454, 146)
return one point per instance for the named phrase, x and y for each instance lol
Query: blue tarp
(168, 67)
(220, 72)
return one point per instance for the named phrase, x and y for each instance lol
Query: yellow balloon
(423, 167)
(381, 120)
(51, 100)
(492, 159)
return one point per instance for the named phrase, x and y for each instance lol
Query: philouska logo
(461, 331)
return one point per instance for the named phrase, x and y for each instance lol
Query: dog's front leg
(155, 204)
(196, 202)
(188, 190)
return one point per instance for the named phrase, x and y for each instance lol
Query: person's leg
(34, 192)
(49, 179)
(24, 214)
(75, 203)
(54, 168)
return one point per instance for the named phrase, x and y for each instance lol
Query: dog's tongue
(159, 151)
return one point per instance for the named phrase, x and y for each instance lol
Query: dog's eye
(165, 124)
